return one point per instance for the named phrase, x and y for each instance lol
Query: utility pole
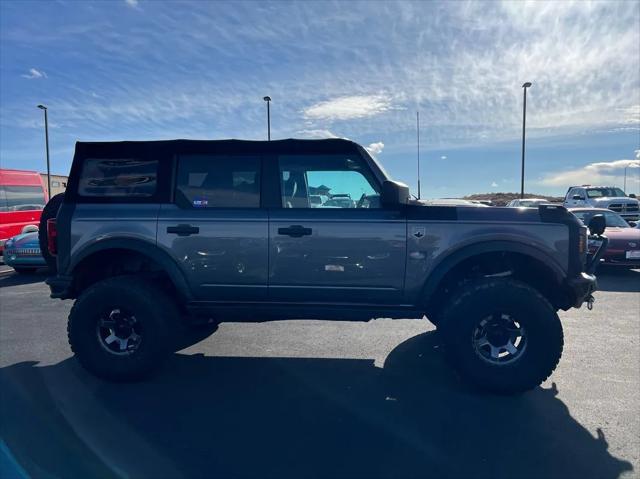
(418, 135)
(46, 140)
(524, 121)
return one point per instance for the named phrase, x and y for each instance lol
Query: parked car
(609, 197)
(189, 245)
(22, 197)
(527, 202)
(453, 202)
(315, 201)
(624, 238)
(339, 202)
(23, 254)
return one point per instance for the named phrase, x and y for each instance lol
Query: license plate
(633, 254)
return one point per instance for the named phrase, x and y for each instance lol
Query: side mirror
(577, 198)
(597, 224)
(633, 224)
(394, 193)
(632, 195)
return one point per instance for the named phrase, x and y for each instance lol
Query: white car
(527, 203)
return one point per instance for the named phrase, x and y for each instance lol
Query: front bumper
(60, 286)
(582, 288)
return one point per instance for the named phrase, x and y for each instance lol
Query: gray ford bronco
(156, 238)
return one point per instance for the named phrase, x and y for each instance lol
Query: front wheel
(121, 328)
(502, 335)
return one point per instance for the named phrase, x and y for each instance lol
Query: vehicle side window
(21, 198)
(214, 181)
(118, 177)
(321, 181)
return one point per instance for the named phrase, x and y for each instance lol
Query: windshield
(604, 192)
(612, 219)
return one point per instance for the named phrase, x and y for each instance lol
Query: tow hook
(590, 300)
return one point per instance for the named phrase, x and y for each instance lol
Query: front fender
(454, 258)
(144, 248)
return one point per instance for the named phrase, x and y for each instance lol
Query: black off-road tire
(156, 316)
(49, 211)
(480, 299)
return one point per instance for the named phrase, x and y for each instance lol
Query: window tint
(118, 177)
(602, 192)
(327, 182)
(206, 181)
(21, 198)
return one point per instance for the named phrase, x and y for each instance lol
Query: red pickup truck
(22, 197)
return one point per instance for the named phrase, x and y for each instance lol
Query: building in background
(58, 184)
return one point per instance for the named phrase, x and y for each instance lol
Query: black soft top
(168, 148)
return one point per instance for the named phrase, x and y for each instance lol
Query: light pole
(46, 140)
(268, 100)
(524, 122)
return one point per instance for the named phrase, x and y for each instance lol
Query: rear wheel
(121, 328)
(49, 211)
(502, 335)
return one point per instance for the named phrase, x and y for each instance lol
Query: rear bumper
(60, 286)
(582, 287)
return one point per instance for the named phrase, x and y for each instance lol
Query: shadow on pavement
(292, 418)
(618, 279)
(15, 279)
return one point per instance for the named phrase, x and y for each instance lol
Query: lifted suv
(154, 238)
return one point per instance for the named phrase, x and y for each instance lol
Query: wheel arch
(117, 251)
(494, 257)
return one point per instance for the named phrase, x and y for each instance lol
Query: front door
(215, 228)
(331, 241)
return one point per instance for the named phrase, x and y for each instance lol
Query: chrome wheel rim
(499, 339)
(119, 332)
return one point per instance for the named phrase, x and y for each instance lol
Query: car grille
(623, 208)
(24, 252)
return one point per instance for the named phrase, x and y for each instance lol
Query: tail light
(52, 237)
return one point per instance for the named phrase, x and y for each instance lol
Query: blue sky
(116, 70)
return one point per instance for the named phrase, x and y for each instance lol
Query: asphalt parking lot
(294, 399)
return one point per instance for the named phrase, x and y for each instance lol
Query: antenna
(418, 135)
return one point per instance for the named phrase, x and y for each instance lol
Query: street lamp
(268, 100)
(524, 121)
(46, 139)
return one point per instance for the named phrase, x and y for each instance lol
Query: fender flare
(144, 248)
(454, 258)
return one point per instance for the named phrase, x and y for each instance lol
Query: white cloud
(132, 3)
(494, 185)
(33, 74)
(375, 148)
(316, 133)
(443, 157)
(602, 172)
(348, 108)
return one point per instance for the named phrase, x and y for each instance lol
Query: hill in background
(501, 199)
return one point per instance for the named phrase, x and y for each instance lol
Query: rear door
(215, 228)
(348, 249)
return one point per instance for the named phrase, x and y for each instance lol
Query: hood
(541, 214)
(615, 199)
(623, 234)
(26, 240)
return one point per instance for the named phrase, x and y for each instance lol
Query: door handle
(183, 230)
(295, 231)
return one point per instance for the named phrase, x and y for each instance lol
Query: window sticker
(200, 202)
